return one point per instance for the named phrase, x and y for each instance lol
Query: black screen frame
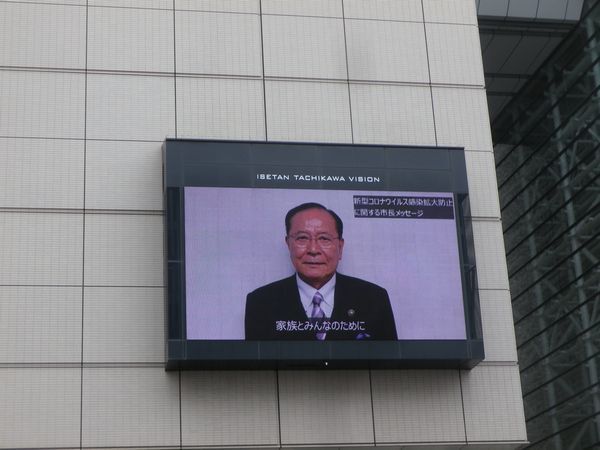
(216, 163)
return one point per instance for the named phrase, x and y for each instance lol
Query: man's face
(314, 245)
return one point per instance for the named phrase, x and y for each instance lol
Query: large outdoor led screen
(293, 255)
(405, 242)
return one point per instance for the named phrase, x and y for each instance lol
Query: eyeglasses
(302, 240)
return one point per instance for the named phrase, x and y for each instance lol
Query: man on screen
(317, 302)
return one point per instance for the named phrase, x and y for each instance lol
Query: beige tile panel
(498, 327)
(40, 407)
(489, 255)
(42, 104)
(455, 11)
(124, 250)
(386, 51)
(40, 324)
(454, 54)
(483, 188)
(56, 2)
(134, 447)
(130, 107)
(34, 35)
(41, 173)
(324, 8)
(387, 114)
(154, 4)
(240, 6)
(134, 407)
(308, 111)
(417, 406)
(493, 404)
(41, 248)
(229, 409)
(405, 10)
(130, 39)
(461, 118)
(123, 175)
(218, 44)
(325, 407)
(306, 47)
(124, 325)
(220, 108)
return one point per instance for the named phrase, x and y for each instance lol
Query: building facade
(547, 155)
(89, 89)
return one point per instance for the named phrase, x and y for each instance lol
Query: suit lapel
(292, 293)
(294, 308)
(341, 303)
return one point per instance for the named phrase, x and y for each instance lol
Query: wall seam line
(85, 91)
(429, 74)
(372, 406)
(347, 73)
(262, 57)
(175, 67)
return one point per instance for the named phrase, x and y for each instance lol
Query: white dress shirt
(307, 292)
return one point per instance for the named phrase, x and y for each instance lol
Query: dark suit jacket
(355, 300)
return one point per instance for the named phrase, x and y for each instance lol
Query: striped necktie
(317, 313)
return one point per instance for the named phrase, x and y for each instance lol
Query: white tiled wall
(307, 47)
(42, 35)
(220, 108)
(41, 248)
(324, 8)
(126, 39)
(41, 173)
(498, 330)
(495, 388)
(489, 251)
(218, 44)
(123, 325)
(392, 114)
(407, 10)
(460, 118)
(311, 399)
(233, 6)
(42, 104)
(238, 408)
(134, 406)
(122, 175)
(155, 4)
(386, 51)
(434, 414)
(40, 324)
(308, 111)
(89, 90)
(124, 250)
(457, 11)
(40, 407)
(128, 107)
(483, 187)
(454, 54)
